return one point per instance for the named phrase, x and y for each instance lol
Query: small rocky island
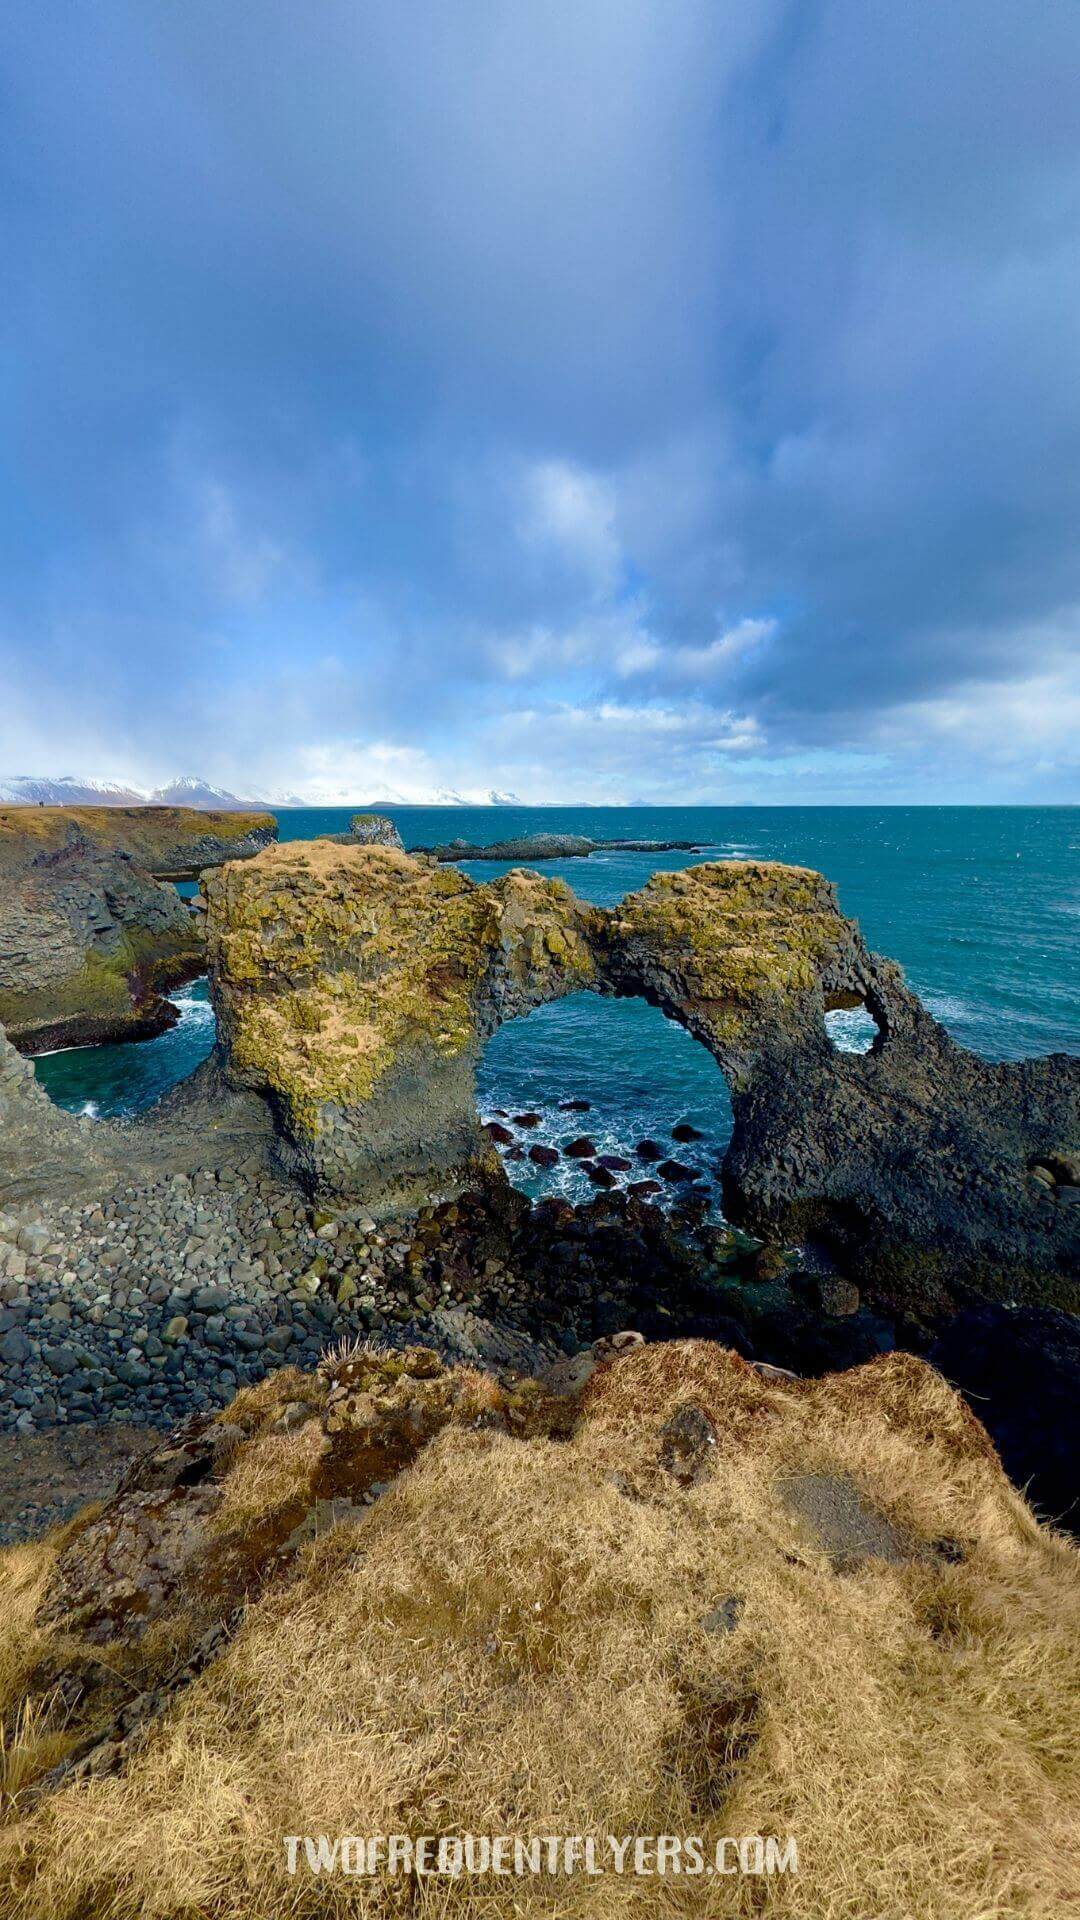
(388, 1426)
(527, 847)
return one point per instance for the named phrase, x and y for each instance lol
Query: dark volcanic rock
(601, 1176)
(684, 1132)
(926, 1172)
(650, 1150)
(527, 1119)
(575, 1106)
(500, 1135)
(580, 1149)
(614, 1162)
(374, 830)
(544, 1156)
(674, 1172)
(367, 830)
(1019, 1369)
(553, 846)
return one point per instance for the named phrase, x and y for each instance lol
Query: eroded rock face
(373, 830)
(357, 986)
(89, 939)
(38, 1143)
(916, 1158)
(88, 942)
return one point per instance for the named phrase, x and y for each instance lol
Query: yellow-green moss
(333, 962)
(737, 931)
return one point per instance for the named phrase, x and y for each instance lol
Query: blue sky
(595, 399)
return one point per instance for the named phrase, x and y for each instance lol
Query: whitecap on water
(851, 1029)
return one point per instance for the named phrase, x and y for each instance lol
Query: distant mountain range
(69, 791)
(188, 790)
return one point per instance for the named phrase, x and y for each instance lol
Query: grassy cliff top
(127, 829)
(697, 1601)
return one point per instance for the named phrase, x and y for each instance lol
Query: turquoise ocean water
(981, 906)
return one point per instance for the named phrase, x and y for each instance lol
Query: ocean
(980, 905)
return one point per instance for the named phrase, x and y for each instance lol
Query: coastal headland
(307, 1264)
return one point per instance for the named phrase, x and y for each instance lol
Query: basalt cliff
(356, 987)
(475, 1516)
(89, 938)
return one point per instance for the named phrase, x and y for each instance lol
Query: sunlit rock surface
(356, 987)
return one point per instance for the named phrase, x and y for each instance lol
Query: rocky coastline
(92, 935)
(325, 1176)
(358, 1422)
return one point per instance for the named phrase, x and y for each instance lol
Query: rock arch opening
(591, 1093)
(854, 1029)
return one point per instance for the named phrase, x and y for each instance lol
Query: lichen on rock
(356, 985)
(742, 945)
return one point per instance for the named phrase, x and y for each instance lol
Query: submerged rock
(675, 1172)
(650, 1150)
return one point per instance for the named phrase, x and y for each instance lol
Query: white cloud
(569, 514)
(693, 665)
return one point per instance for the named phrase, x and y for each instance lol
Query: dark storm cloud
(631, 397)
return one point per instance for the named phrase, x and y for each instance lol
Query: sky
(594, 400)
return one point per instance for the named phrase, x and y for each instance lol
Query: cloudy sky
(596, 399)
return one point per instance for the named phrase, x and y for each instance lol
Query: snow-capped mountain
(68, 790)
(23, 790)
(188, 790)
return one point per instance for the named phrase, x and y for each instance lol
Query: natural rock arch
(355, 987)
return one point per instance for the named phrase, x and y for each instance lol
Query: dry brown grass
(511, 1641)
